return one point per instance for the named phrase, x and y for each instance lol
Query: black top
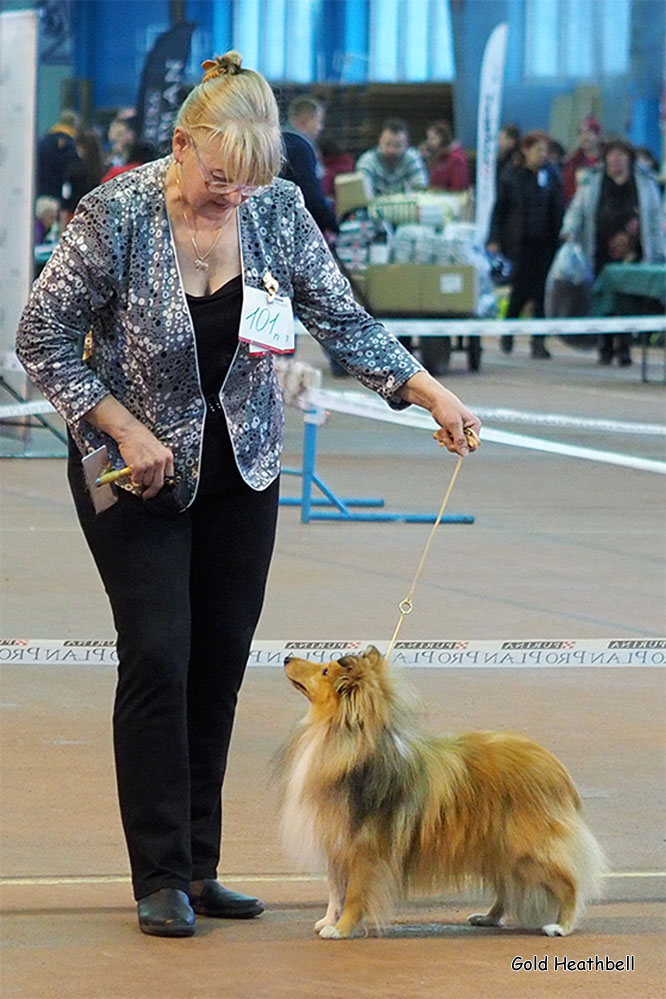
(618, 235)
(536, 202)
(216, 319)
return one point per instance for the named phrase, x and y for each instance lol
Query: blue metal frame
(312, 419)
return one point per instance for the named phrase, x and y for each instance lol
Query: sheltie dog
(387, 809)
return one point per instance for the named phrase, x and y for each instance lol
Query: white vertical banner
(18, 90)
(490, 102)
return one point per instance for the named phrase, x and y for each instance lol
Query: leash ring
(405, 606)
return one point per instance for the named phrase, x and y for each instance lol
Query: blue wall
(631, 106)
(112, 40)
(112, 37)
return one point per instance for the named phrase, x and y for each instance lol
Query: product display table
(614, 285)
(645, 280)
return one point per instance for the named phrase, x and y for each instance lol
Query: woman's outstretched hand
(447, 410)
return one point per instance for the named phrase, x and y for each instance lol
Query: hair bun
(228, 64)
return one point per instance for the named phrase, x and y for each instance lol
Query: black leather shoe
(166, 913)
(210, 898)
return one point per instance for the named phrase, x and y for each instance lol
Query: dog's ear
(373, 657)
(352, 671)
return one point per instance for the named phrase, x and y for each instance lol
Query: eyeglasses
(216, 186)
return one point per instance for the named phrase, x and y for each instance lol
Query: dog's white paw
(328, 932)
(554, 930)
(324, 921)
(483, 919)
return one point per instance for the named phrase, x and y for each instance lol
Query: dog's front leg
(336, 901)
(355, 908)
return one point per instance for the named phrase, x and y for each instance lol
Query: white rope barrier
(357, 404)
(593, 424)
(525, 327)
(517, 327)
(35, 408)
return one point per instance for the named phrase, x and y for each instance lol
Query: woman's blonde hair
(238, 107)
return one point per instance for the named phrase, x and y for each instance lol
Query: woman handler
(161, 267)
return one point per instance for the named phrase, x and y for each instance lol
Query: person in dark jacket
(508, 143)
(302, 166)
(55, 154)
(525, 227)
(82, 174)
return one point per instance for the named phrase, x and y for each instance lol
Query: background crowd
(604, 194)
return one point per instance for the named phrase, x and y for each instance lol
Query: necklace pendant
(201, 265)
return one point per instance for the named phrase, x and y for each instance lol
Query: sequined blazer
(114, 274)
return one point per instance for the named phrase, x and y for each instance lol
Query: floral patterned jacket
(114, 275)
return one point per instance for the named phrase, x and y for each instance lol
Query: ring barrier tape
(526, 327)
(425, 654)
(569, 422)
(35, 408)
(357, 404)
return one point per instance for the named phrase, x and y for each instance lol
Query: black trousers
(528, 281)
(186, 593)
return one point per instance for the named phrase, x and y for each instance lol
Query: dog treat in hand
(473, 439)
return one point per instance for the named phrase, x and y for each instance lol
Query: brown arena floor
(560, 548)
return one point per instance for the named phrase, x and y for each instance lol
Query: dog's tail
(579, 857)
(588, 862)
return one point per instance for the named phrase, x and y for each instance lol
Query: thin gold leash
(405, 606)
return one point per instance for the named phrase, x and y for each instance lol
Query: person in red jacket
(587, 154)
(445, 158)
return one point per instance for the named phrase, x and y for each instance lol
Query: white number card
(267, 323)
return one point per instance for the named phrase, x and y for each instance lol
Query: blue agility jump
(335, 507)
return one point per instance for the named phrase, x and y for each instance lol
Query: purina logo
(538, 645)
(71, 643)
(641, 643)
(416, 646)
(313, 646)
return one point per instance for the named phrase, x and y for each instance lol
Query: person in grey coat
(162, 271)
(617, 216)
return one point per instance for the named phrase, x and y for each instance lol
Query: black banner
(161, 91)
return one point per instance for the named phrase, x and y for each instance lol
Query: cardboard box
(393, 288)
(448, 290)
(418, 289)
(359, 283)
(351, 192)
